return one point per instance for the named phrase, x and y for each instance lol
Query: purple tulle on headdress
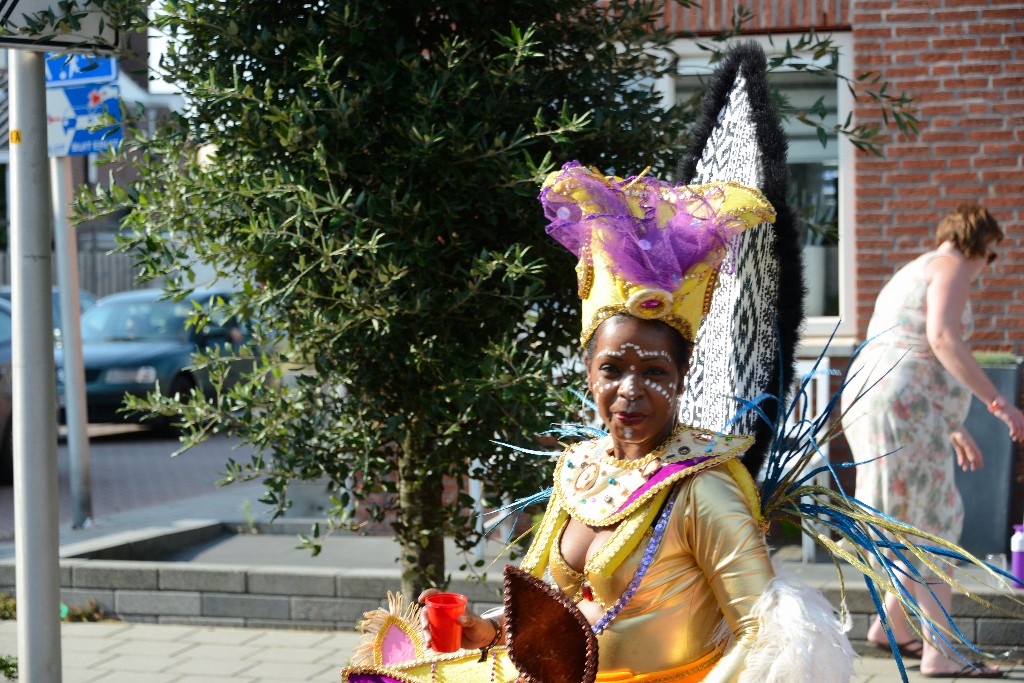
(589, 205)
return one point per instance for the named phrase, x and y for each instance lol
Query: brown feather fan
(537, 615)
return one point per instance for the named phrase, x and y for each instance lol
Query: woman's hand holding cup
(450, 625)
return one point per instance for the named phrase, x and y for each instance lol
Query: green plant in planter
(999, 358)
(9, 667)
(8, 607)
(8, 664)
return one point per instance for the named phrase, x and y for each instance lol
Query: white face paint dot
(640, 351)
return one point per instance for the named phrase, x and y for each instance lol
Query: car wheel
(7, 457)
(181, 385)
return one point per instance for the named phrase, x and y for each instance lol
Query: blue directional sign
(75, 119)
(62, 70)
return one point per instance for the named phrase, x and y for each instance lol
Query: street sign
(62, 70)
(72, 112)
(96, 33)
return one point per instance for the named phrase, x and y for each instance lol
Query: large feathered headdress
(646, 247)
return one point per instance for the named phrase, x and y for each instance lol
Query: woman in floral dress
(917, 376)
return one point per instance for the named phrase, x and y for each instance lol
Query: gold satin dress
(712, 562)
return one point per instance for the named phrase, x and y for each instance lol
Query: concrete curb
(215, 595)
(113, 571)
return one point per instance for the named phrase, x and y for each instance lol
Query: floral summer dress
(909, 413)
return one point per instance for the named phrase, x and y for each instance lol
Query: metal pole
(66, 248)
(37, 570)
(476, 492)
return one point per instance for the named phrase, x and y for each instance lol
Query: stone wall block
(244, 606)
(173, 603)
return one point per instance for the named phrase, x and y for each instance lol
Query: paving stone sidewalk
(120, 652)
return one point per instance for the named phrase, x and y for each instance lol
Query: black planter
(988, 492)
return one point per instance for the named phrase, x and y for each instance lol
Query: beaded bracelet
(998, 403)
(494, 641)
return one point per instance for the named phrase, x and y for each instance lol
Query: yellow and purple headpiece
(646, 247)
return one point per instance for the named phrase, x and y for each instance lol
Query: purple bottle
(1017, 554)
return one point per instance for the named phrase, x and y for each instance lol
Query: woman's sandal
(976, 671)
(912, 648)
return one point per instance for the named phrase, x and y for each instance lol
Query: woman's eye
(655, 372)
(609, 369)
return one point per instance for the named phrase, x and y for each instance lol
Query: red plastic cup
(443, 611)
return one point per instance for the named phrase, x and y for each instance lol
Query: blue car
(85, 300)
(133, 342)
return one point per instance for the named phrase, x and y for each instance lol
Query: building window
(821, 178)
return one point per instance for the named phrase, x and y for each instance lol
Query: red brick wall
(777, 16)
(963, 64)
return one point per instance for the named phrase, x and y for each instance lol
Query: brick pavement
(119, 652)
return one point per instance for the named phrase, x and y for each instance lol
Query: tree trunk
(419, 524)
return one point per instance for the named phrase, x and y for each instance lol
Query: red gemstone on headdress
(650, 303)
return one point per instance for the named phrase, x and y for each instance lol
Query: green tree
(374, 167)
(368, 171)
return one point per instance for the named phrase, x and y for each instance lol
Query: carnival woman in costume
(653, 530)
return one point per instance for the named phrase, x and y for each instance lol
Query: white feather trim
(799, 638)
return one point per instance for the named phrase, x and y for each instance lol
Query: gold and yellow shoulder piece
(536, 559)
(599, 489)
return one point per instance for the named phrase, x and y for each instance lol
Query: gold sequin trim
(585, 271)
(536, 558)
(556, 557)
(709, 292)
(632, 533)
(676, 322)
(461, 659)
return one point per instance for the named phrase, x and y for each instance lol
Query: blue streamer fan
(880, 546)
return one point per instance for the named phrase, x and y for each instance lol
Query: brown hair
(970, 228)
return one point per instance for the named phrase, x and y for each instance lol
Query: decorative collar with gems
(600, 490)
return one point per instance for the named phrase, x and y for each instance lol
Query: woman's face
(979, 263)
(635, 379)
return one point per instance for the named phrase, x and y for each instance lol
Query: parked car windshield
(136, 321)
